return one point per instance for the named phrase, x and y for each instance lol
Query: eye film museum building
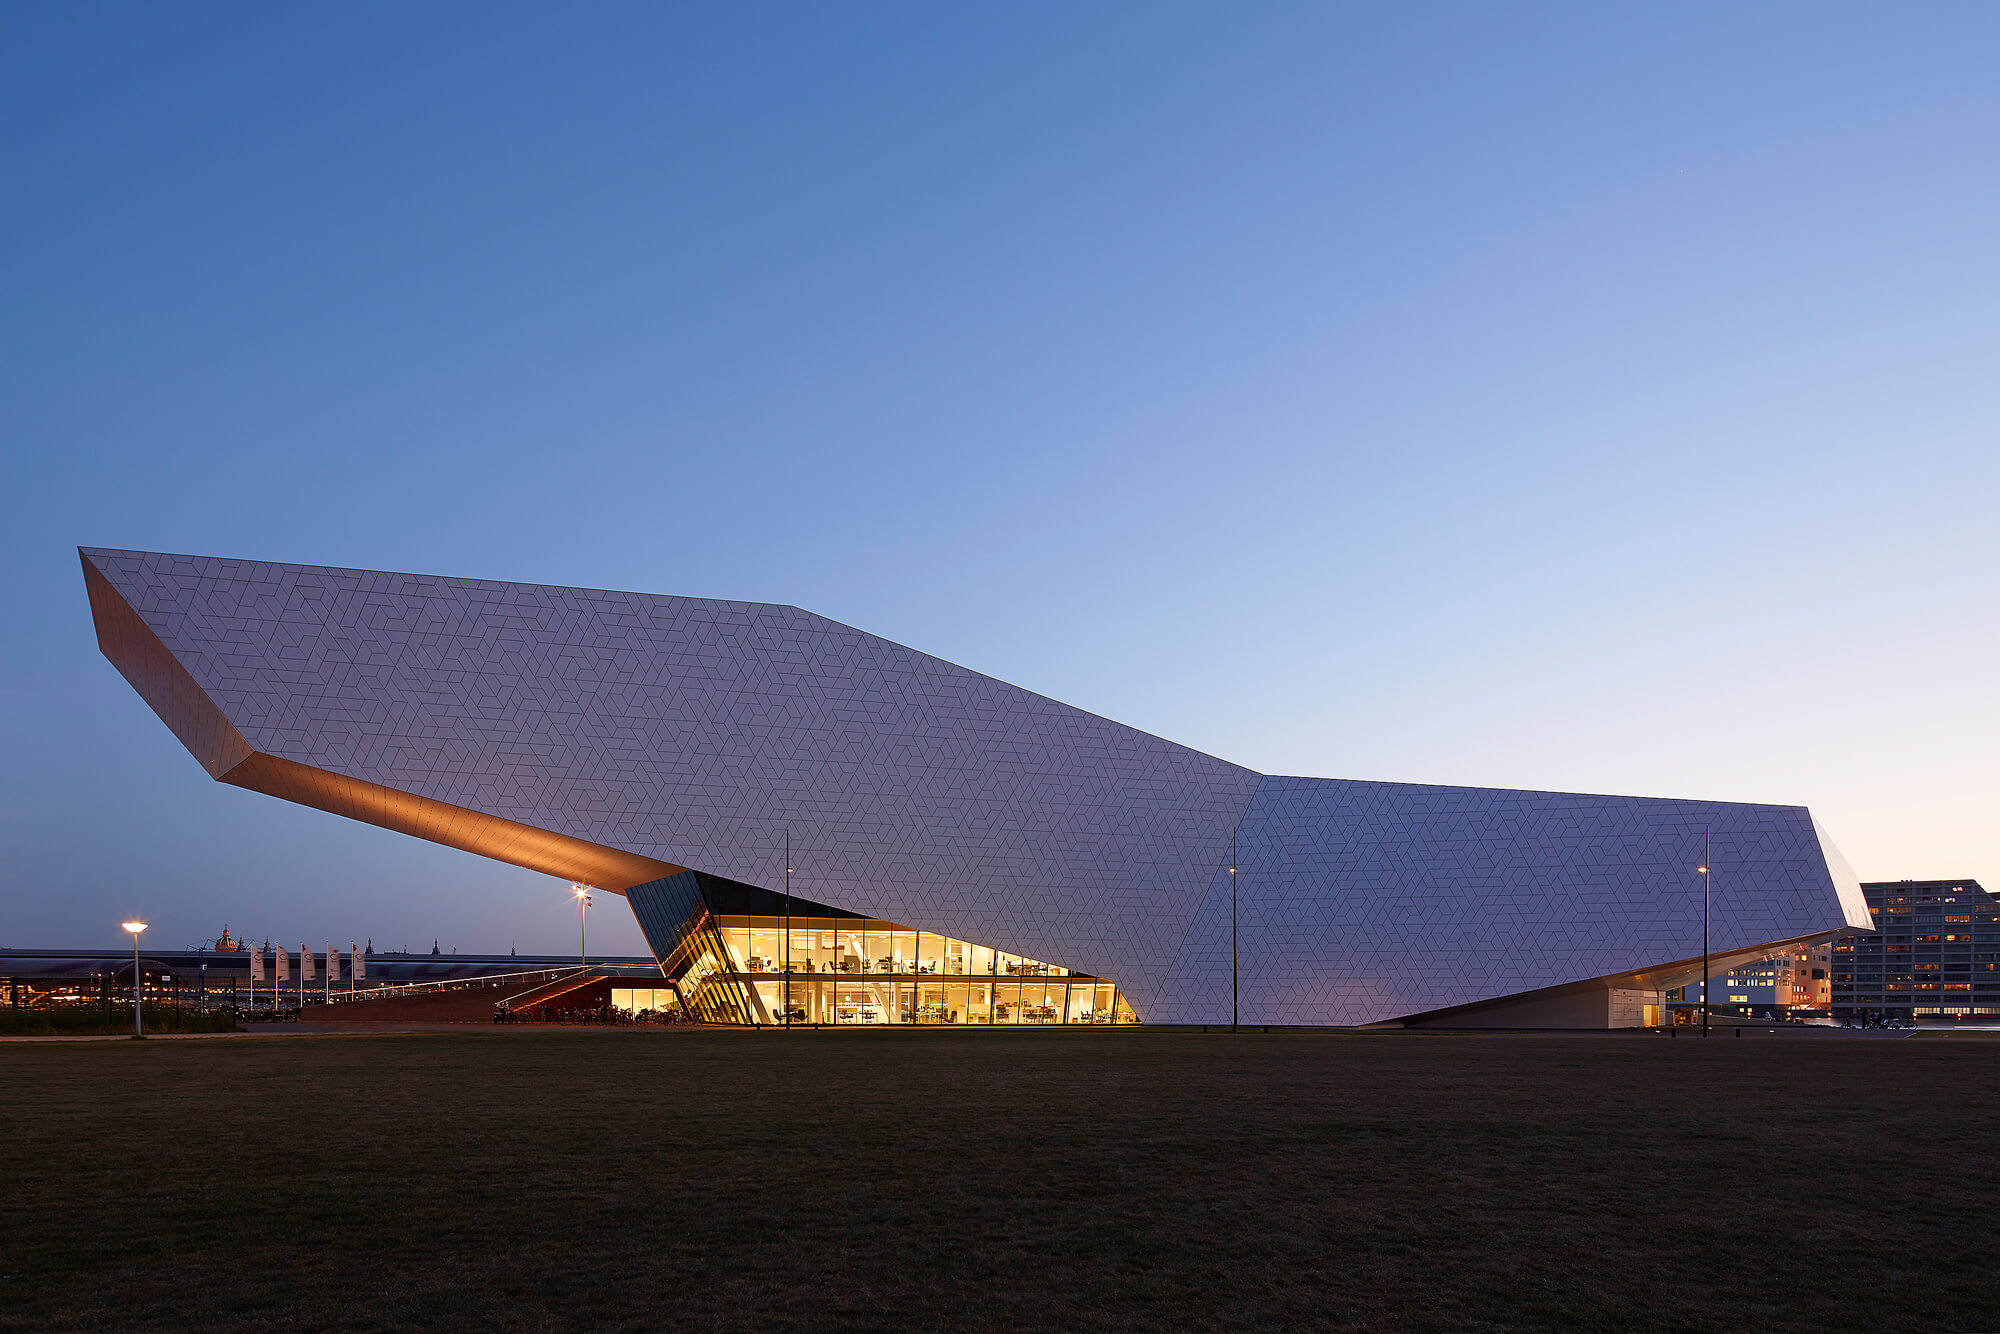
(962, 851)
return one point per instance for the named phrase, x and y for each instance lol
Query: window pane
(765, 945)
(736, 935)
(857, 1003)
(820, 950)
(1046, 1008)
(1076, 999)
(772, 994)
(931, 1007)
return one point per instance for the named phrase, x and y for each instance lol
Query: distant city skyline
(1542, 397)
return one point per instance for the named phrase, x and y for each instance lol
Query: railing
(395, 990)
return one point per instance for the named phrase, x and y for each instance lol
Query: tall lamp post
(200, 948)
(582, 896)
(788, 926)
(1234, 993)
(138, 1022)
(1703, 868)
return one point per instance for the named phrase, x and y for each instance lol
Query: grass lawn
(981, 1180)
(109, 1019)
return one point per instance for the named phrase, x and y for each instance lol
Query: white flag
(332, 963)
(256, 964)
(305, 963)
(357, 969)
(284, 963)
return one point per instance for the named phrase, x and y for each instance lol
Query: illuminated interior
(732, 953)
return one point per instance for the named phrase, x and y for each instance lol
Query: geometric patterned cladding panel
(621, 737)
(1361, 901)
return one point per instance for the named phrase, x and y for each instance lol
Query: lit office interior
(843, 969)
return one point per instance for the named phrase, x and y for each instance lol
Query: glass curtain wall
(681, 930)
(840, 969)
(862, 971)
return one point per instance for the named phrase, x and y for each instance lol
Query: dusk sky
(1582, 397)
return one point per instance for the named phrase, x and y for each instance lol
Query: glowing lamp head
(1702, 869)
(134, 927)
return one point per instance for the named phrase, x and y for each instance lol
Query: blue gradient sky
(1594, 397)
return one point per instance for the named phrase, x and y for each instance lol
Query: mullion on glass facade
(725, 951)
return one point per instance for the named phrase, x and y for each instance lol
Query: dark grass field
(114, 1020)
(976, 1181)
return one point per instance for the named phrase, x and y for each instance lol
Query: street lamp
(1234, 992)
(138, 1024)
(1703, 868)
(788, 929)
(582, 895)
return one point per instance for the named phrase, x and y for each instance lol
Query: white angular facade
(620, 739)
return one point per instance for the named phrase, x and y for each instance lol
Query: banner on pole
(305, 963)
(332, 963)
(357, 967)
(284, 964)
(256, 963)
